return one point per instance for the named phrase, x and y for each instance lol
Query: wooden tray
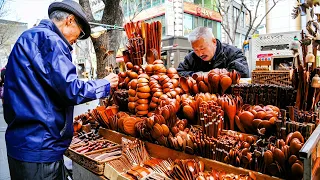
(95, 166)
(162, 152)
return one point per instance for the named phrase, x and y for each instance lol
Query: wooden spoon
(225, 83)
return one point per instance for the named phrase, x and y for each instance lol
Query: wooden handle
(132, 34)
(127, 30)
(159, 37)
(144, 36)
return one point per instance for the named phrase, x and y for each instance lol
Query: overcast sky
(28, 11)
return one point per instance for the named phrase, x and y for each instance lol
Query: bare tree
(230, 24)
(109, 41)
(6, 27)
(6, 30)
(3, 11)
(253, 18)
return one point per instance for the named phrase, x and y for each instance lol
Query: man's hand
(113, 79)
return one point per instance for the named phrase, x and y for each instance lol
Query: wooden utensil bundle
(143, 39)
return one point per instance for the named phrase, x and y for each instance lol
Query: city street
(4, 170)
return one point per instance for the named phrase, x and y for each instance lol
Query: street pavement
(4, 169)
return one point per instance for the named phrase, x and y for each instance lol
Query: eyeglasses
(81, 33)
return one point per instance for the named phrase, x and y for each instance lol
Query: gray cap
(74, 8)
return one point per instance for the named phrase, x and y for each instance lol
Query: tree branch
(225, 19)
(3, 11)
(235, 25)
(250, 19)
(256, 12)
(6, 32)
(274, 4)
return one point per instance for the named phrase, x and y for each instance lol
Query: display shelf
(310, 154)
(165, 153)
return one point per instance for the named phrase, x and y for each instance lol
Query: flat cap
(74, 8)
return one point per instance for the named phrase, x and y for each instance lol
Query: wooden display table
(165, 153)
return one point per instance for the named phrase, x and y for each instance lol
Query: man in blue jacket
(41, 89)
(209, 53)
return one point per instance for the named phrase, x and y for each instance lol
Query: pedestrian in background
(2, 75)
(41, 89)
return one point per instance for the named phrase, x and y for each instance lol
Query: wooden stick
(159, 37)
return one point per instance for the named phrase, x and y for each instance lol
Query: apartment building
(280, 19)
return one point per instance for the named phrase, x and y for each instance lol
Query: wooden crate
(95, 166)
(280, 78)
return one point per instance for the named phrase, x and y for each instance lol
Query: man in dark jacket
(41, 89)
(209, 53)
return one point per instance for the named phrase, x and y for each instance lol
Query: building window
(187, 24)
(200, 21)
(195, 21)
(147, 4)
(235, 14)
(215, 29)
(215, 5)
(218, 25)
(156, 2)
(198, 2)
(237, 40)
(205, 22)
(242, 19)
(208, 4)
(139, 5)
(210, 24)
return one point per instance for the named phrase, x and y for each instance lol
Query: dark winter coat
(226, 56)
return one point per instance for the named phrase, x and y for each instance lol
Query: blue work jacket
(41, 88)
